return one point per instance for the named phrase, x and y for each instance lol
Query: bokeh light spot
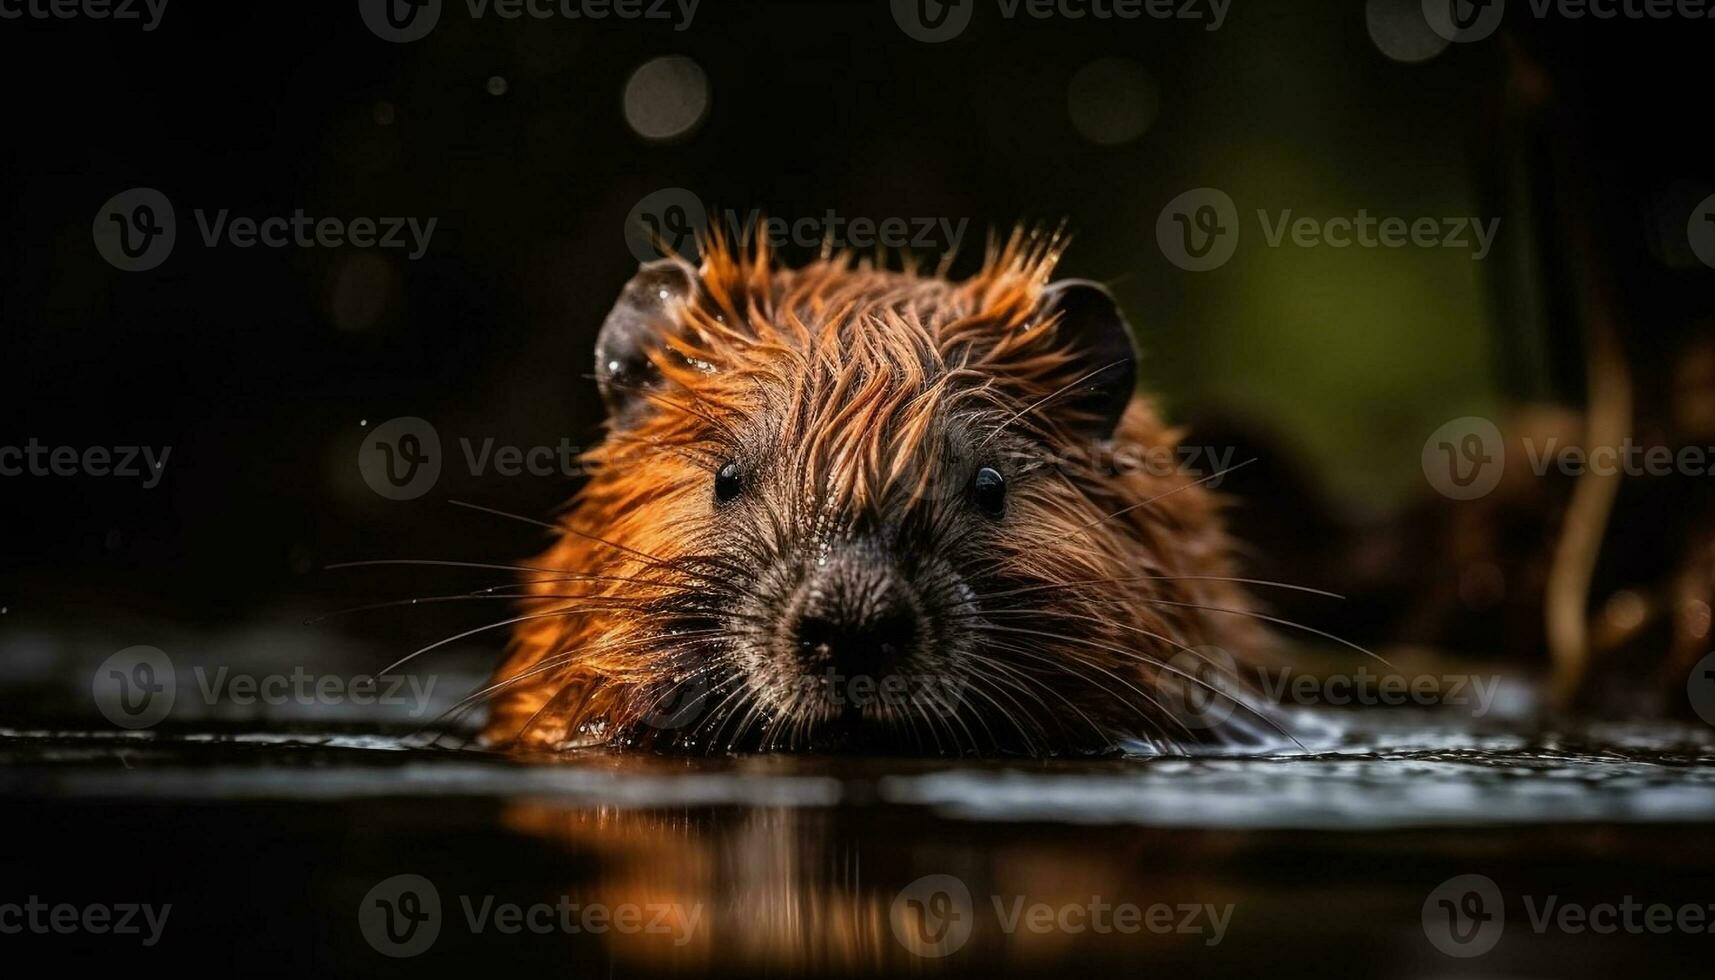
(1112, 101)
(666, 98)
(1401, 32)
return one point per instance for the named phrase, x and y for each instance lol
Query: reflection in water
(1289, 862)
(1092, 864)
(829, 890)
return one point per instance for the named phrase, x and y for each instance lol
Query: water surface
(1294, 859)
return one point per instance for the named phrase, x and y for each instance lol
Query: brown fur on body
(857, 403)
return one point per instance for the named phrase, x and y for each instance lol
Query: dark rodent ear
(1092, 323)
(638, 323)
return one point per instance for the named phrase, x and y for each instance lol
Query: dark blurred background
(264, 368)
(534, 144)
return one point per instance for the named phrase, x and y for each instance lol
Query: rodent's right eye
(988, 489)
(728, 482)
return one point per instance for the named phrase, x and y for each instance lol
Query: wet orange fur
(856, 376)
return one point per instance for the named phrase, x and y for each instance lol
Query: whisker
(505, 622)
(438, 562)
(1148, 699)
(976, 678)
(1023, 683)
(477, 596)
(1166, 493)
(1276, 620)
(564, 529)
(1114, 579)
(1045, 399)
(555, 662)
(1260, 715)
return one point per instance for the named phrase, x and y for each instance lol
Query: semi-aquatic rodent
(848, 507)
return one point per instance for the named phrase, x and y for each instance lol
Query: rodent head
(828, 503)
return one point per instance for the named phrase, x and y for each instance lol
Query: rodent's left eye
(988, 491)
(728, 482)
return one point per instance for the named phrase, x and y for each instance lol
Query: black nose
(857, 618)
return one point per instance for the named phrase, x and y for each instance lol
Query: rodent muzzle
(854, 615)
